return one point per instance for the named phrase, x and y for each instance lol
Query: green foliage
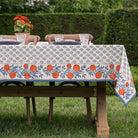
(96, 6)
(6, 24)
(130, 3)
(134, 71)
(53, 6)
(58, 23)
(23, 6)
(69, 23)
(19, 27)
(122, 28)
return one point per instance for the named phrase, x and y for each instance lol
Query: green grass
(69, 119)
(134, 71)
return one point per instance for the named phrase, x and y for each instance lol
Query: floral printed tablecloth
(69, 63)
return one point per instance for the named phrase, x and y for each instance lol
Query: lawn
(69, 117)
(134, 71)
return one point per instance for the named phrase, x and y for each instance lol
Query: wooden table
(66, 91)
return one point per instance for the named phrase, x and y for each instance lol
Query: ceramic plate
(10, 42)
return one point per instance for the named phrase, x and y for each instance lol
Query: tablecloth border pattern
(92, 63)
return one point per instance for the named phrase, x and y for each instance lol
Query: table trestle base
(46, 91)
(98, 91)
(101, 114)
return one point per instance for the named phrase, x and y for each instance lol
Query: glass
(21, 37)
(84, 38)
(58, 38)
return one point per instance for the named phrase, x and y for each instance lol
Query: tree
(98, 6)
(45, 6)
(23, 6)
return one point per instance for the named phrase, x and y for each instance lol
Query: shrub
(58, 23)
(122, 28)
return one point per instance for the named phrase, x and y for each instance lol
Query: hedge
(122, 28)
(58, 23)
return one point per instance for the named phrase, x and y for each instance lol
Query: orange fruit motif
(126, 84)
(33, 68)
(49, 67)
(55, 74)
(68, 65)
(92, 67)
(98, 75)
(132, 81)
(111, 66)
(25, 66)
(70, 75)
(27, 75)
(118, 68)
(121, 91)
(112, 76)
(6, 67)
(76, 67)
(12, 74)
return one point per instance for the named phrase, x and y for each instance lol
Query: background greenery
(52, 6)
(58, 23)
(121, 27)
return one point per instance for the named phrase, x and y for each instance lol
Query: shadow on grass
(61, 126)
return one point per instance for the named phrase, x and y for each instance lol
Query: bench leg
(51, 99)
(33, 98)
(88, 105)
(101, 114)
(28, 110)
(34, 106)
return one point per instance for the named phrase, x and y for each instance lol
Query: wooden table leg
(101, 114)
(50, 109)
(88, 105)
(28, 110)
(51, 99)
(33, 98)
(89, 110)
(34, 107)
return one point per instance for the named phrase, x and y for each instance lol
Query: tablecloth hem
(125, 103)
(108, 80)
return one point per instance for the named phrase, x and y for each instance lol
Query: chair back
(51, 37)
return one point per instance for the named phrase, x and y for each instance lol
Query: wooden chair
(50, 38)
(34, 39)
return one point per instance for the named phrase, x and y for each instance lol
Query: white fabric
(43, 62)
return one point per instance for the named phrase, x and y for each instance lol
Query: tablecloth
(69, 63)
